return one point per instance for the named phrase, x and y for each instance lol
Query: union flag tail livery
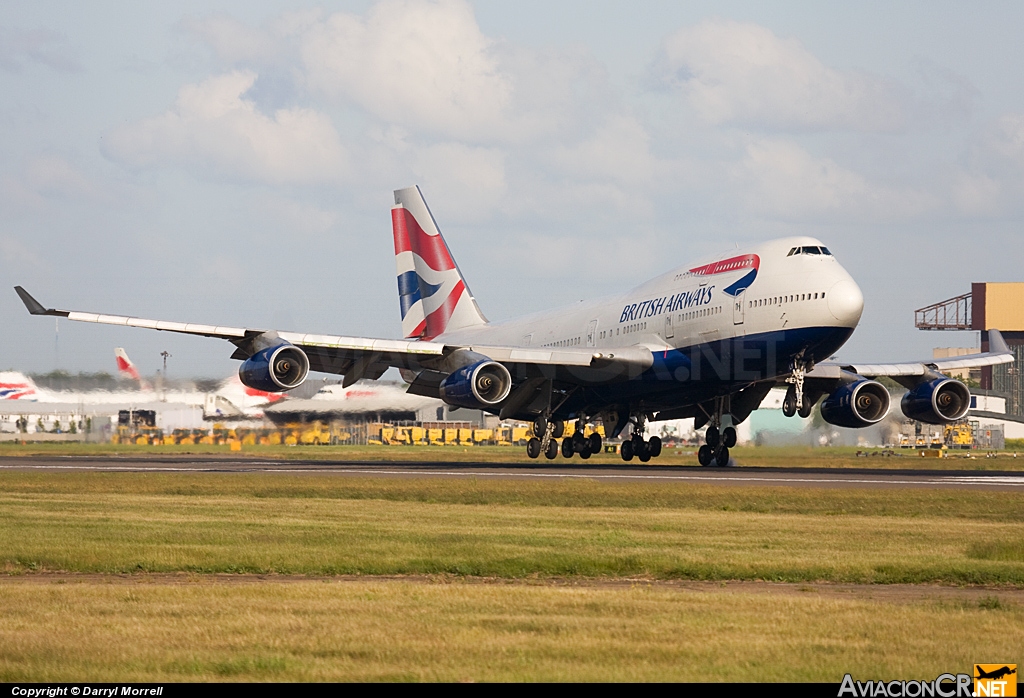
(433, 295)
(17, 386)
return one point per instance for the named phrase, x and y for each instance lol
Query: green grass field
(324, 525)
(775, 456)
(553, 556)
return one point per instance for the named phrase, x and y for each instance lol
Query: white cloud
(19, 47)
(471, 180)
(738, 73)
(782, 179)
(212, 126)
(296, 216)
(42, 178)
(424, 65)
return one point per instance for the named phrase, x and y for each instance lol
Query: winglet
(996, 343)
(34, 306)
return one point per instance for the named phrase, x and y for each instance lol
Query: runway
(733, 476)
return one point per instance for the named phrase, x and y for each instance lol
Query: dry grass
(398, 630)
(324, 525)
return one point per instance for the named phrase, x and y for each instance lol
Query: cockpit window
(809, 250)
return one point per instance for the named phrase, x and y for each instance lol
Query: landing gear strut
(796, 399)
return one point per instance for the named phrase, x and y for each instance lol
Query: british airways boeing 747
(706, 341)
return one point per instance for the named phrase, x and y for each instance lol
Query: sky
(233, 163)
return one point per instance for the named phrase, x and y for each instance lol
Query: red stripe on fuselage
(410, 237)
(747, 261)
(437, 321)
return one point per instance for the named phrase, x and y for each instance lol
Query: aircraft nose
(846, 302)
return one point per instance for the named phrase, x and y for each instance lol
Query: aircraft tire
(552, 451)
(729, 437)
(705, 455)
(567, 449)
(789, 402)
(805, 408)
(533, 448)
(585, 453)
(722, 457)
(559, 429)
(645, 455)
(578, 441)
(626, 450)
(654, 446)
(539, 427)
(711, 436)
(594, 442)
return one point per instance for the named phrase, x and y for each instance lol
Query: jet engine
(275, 369)
(855, 405)
(939, 401)
(477, 386)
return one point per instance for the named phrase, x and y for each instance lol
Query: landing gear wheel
(552, 450)
(805, 408)
(533, 448)
(722, 457)
(626, 451)
(578, 441)
(789, 402)
(641, 450)
(654, 446)
(705, 455)
(585, 453)
(539, 427)
(559, 429)
(567, 448)
(595, 442)
(711, 436)
(729, 437)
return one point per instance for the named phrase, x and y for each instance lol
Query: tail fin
(127, 368)
(433, 295)
(17, 386)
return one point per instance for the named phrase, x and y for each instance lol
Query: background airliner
(706, 341)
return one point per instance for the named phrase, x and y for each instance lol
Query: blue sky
(233, 163)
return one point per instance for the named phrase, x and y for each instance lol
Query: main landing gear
(718, 440)
(797, 400)
(546, 435)
(643, 450)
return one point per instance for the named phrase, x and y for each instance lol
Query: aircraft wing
(362, 357)
(999, 353)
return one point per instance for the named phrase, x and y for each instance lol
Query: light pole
(163, 377)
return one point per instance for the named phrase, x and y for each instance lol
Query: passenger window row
(779, 300)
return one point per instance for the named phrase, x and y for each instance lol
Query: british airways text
(668, 304)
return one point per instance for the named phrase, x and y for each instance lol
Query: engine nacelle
(477, 386)
(939, 401)
(275, 369)
(859, 404)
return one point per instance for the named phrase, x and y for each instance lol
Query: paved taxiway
(735, 476)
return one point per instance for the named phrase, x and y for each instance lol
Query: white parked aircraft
(706, 341)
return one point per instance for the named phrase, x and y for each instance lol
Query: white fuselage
(684, 307)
